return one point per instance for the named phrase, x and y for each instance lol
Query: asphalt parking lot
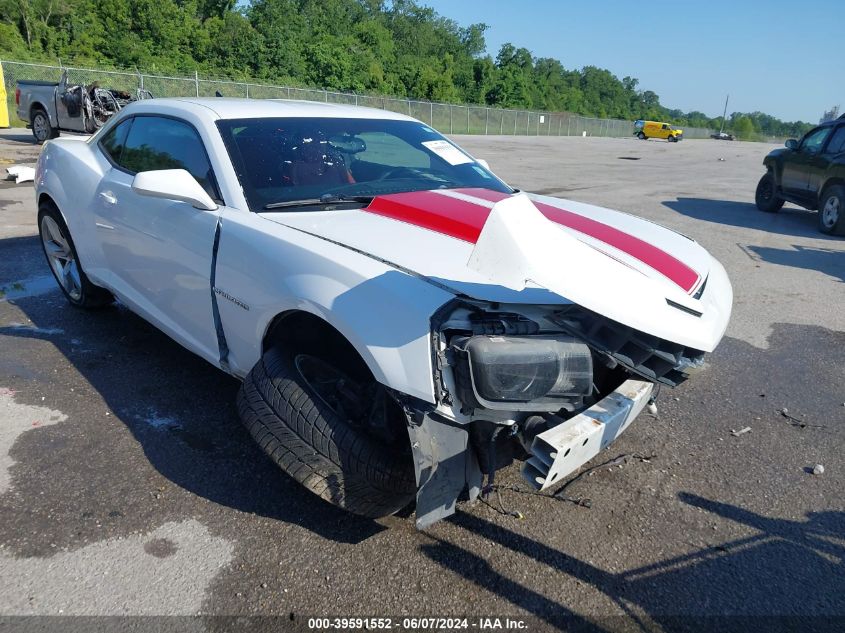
(129, 487)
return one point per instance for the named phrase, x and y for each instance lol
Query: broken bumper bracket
(566, 447)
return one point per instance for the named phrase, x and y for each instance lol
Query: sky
(784, 58)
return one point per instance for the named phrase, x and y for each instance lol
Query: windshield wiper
(328, 198)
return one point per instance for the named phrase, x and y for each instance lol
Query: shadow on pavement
(767, 581)
(19, 136)
(180, 409)
(789, 221)
(828, 261)
(19, 256)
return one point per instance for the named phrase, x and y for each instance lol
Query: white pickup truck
(403, 321)
(50, 107)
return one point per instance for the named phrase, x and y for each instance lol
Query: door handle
(108, 197)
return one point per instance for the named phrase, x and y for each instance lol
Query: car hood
(518, 248)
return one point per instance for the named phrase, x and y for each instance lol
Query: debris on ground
(818, 469)
(793, 421)
(741, 431)
(558, 495)
(20, 173)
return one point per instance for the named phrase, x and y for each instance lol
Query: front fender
(265, 269)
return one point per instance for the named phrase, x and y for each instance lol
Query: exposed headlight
(523, 372)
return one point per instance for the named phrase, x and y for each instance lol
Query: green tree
(743, 127)
(395, 47)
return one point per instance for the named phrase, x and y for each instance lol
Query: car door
(157, 253)
(795, 178)
(73, 121)
(820, 163)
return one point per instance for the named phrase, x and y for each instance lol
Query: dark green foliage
(393, 48)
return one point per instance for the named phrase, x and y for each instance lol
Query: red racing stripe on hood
(456, 218)
(464, 220)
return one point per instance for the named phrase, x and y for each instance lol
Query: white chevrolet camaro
(403, 321)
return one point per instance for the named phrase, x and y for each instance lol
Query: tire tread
(313, 445)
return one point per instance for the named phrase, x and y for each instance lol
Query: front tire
(641, 136)
(64, 263)
(319, 448)
(766, 197)
(832, 210)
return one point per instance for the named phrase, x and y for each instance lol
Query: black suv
(810, 173)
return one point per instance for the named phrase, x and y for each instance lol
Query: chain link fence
(448, 118)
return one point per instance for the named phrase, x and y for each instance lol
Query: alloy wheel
(830, 212)
(61, 258)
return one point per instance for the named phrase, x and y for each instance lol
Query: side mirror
(173, 184)
(791, 143)
(483, 163)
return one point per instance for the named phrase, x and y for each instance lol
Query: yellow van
(654, 129)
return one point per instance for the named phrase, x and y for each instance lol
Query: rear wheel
(41, 128)
(314, 421)
(64, 262)
(832, 210)
(766, 197)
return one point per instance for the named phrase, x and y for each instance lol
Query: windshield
(286, 159)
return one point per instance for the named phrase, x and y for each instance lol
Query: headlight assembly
(522, 372)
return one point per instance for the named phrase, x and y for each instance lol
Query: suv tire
(832, 210)
(766, 196)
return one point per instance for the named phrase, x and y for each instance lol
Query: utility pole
(724, 114)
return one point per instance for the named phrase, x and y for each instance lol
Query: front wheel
(641, 136)
(64, 262)
(304, 414)
(832, 211)
(766, 196)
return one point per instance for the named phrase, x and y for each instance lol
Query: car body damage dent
(222, 345)
(520, 247)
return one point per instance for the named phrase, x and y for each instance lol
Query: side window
(837, 141)
(112, 143)
(160, 143)
(665, 127)
(812, 143)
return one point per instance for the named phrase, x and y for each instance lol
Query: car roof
(229, 108)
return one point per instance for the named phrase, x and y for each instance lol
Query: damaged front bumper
(447, 467)
(566, 447)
